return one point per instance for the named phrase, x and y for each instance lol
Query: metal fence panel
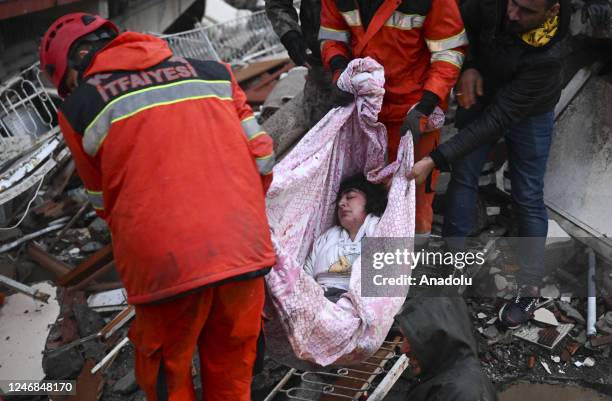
(234, 41)
(26, 106)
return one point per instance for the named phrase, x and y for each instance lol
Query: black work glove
(416, 119)
(296, 47)
(338, 96)
(598, 12)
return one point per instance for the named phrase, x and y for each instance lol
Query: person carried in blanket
(359, 206)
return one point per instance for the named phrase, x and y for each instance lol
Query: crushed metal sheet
(27, 164)
(108, 300)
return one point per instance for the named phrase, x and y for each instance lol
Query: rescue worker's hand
(416, 119)
(421, 169)
(415, 122)
(296, 47)
(468, 87)
(340, 98)
(598, 12)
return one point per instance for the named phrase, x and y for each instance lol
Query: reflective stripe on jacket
(421, 45)
(171, 157)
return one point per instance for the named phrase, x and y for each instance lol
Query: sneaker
(520, 310)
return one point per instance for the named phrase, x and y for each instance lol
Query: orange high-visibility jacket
(420, 43)
(171, 157)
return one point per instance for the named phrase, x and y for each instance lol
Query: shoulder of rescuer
(170, 155)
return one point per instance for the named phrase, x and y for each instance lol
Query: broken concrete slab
(556, 234)
(127, 384)
(578, 174)
(23, 334)
(550, 291)
(92, 246)
(88, 320)
(108, 300)
(571, 312)
(289, 86)
(491, 332)
(94, 350)
(288, 124)
(99, 231)
(604, 324)
(545, 316)
(500, 282)
(62, 364)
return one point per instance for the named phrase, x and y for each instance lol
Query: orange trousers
(424, 192)
(223, 322)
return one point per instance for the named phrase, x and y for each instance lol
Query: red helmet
(61, 35)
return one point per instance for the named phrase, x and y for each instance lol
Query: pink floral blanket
(302, 327)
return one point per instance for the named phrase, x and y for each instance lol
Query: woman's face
(352, 209)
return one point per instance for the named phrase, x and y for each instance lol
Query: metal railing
(235, 41)
(26, 106)
(345, 383)
(192, 44)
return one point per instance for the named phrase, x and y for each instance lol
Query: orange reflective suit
(421, 45)
(171, 157)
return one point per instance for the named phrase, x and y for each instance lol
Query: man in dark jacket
(439, 340)
(300, 37)
(511, 82)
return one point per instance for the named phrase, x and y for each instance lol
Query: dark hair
(91, 42)
(376, 194)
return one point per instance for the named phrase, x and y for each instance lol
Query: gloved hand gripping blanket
(302, 324)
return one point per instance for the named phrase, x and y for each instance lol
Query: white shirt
(333, 254)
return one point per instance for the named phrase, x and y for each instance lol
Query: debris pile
(64, 313)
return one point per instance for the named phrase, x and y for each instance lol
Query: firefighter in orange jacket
(421, 44)
(171, 156)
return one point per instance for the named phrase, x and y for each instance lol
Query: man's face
(352, 209)
(405, 348)
(71, 80)
(525, 15)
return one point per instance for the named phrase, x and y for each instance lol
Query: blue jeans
(528, 144)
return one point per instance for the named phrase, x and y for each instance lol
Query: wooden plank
(47, 261)
(254, 69)
(86, 281)
(24, 289)
(96, 262)
(387, 383)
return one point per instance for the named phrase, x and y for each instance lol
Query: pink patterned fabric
(302, 325)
